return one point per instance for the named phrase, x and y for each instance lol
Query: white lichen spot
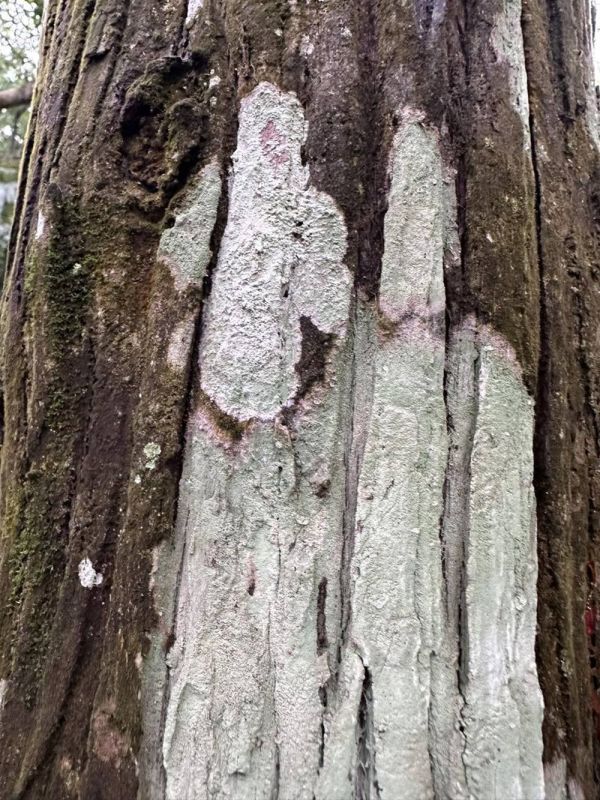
(398, 511)
(77, 268)
(193, 8)
(154, 569)
(592, 115)
(152, 453)
(3, 690)
(186, 246)
(214, 81)
(281, 259)
(306, 46)
(41, 225)
(180, 343)
(137, 480)
(415, 225)
(139, 661)
(501, 687)
(88, 577)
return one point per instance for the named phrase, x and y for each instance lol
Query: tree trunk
(299, 339)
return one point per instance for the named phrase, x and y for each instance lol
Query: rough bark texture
(300, 335)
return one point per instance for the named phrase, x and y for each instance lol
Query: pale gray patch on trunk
(412, 278)
(193, 7)
(507, 42)
(593, 74)
(281, 258)
(396, 567)
(257, 704)
(446, 726)
(404, 628)
(490, 566)
(503, 704)
(245, 675)
(341, 760)
(259, 526)
(186, 246)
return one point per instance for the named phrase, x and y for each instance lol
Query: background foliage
(20, 22)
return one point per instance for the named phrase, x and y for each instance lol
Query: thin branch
(16, 96)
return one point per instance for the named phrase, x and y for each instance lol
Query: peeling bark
(300, 456)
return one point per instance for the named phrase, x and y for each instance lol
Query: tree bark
(300, 469)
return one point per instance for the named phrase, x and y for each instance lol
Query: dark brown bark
(122, 124)
(567, 443)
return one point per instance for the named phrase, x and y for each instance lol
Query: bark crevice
(366, 786)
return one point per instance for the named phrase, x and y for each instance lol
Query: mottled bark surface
(299, 336)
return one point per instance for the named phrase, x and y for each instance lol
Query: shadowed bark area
(564, 137)
(429, 168)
